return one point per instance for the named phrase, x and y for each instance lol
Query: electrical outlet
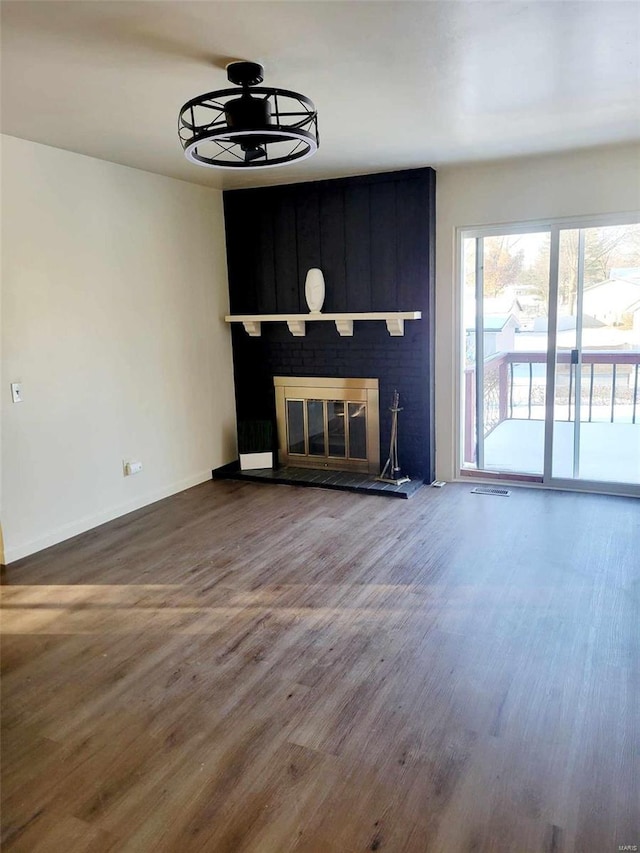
(130, 468)
(16, 392)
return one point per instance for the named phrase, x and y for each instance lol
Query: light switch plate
(16, 392)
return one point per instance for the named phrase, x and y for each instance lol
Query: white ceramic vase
(314, 290)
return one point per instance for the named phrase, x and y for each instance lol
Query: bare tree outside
(506, 265)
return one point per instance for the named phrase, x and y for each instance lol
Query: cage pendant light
(254, 128)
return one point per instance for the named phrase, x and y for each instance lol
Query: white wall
(578, 183)
(114, 285)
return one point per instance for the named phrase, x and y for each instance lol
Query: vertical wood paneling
(241, 267)
(384, 247)
(357, 230)
(308, 228)
(286, 254)
(413, 240)
(264, 256)
(332, 248)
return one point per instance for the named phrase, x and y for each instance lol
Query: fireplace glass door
(327, 428)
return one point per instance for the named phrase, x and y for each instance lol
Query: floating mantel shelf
(344, 322)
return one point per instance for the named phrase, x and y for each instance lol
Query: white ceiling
(397, 84)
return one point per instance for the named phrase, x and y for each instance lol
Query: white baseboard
(73, 528)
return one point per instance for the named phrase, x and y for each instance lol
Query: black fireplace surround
(373, 237)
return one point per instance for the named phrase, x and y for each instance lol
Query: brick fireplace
(373, 238)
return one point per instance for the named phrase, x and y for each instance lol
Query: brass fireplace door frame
(340, 390)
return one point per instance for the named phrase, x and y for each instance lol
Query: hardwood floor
(268, 669)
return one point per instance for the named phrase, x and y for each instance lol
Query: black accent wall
(373, 237)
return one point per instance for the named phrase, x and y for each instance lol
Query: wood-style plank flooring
(250, 668)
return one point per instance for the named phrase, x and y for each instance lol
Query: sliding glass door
(506, 294)
(596, 408)
(550, 390)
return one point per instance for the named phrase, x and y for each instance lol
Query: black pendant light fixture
(261, 128)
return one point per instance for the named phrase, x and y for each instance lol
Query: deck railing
(514, 389)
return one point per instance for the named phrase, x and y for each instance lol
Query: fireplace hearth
(342, 481)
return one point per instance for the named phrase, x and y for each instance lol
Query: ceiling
(397, 84)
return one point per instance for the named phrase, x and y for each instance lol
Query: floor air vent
(487, 490)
